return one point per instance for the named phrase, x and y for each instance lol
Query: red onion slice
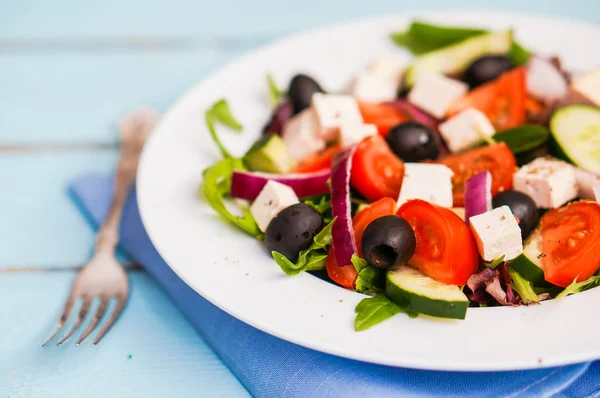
(478, 194)
(344, 243)
(247, 185)
(545, 81)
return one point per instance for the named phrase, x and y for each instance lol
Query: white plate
(235, 273)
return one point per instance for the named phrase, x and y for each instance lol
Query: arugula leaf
(275, 93)
(519, 55)
(495, 263)
(523, 138)
(373, 310)
(311, 259)
(370, 279)
(422, 37)
(221, 113)
(523, 287)
(577, 287)
(216, 184)
(323, 205)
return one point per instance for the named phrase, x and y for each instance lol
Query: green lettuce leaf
(370, 279)
(216, 184)
(495, 263)
(373, 310)
(577, 287)
(221, 113)
(523, 287)
(321, 203)
(422, 37)
(311, 259)
(275, 93)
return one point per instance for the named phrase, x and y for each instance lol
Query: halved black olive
(388, 241)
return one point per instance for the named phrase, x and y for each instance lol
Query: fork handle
(131, 149)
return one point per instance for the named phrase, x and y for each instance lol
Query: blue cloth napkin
(271, 367)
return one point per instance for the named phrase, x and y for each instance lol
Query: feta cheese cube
(371, 87)
(354, 133)
(333, 111)
(549, 182)
(300, 135)
(434, 93)
(429, 182)
(388, 66)
(466, 129)
(588, 85)
(497, 234)
(273, 198)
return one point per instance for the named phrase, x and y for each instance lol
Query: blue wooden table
(68, 71)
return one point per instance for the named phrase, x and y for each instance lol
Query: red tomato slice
(317, 162)
(571, 242)
(383, 207)
(502, 100)
(497, 159)
(446, 250)
(376, 172)
(343, 276)
(384, 116)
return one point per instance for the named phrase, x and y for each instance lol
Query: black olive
(388, 241)
(301, 91)
(293, 230)
(522, 206)
(487, 68)
(413, 142)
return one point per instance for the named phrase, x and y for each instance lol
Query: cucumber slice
(529, 263)
(270, 155)
(414, 291)
(456, 58)
(576, 132)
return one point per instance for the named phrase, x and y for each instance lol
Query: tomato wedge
(317, 162)
(343, 276)
(497, 159)
(346, 276)
(376, 172)
(446, 250)
(571, 242)
(382, 115)
(383, 207)
(502, 100)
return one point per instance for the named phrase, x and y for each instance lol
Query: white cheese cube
(300, 135)
(466, 129)
(273, 198)
(434, 93)
(352, 134)
(333, 111)
(388, 66)
(429, 182)
(497, 234)
(588, 85)
(371, 87)
(549, 182)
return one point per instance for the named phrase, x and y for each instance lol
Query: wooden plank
(39, 225)
(152, 351)
(77, 98)
(229, 19)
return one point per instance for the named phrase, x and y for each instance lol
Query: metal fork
(103, 276)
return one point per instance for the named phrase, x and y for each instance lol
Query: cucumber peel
(414, 291)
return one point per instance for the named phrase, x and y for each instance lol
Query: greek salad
(466, 177)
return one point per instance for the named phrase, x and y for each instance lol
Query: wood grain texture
(77, 98)
(40, 226)
(237, 20)
(152, 351)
